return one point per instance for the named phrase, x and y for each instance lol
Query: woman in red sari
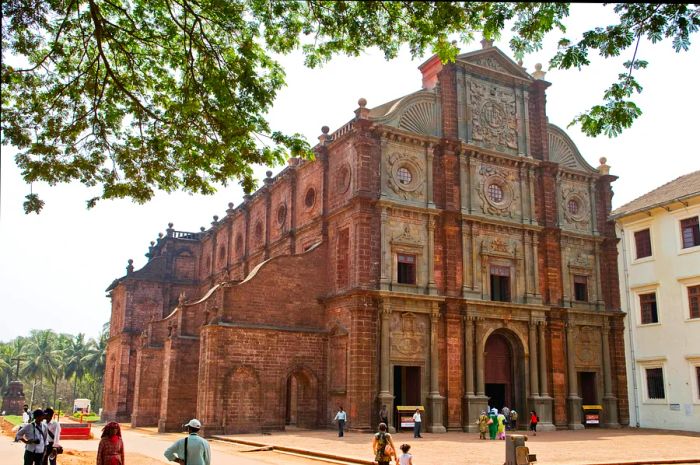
(111, 450)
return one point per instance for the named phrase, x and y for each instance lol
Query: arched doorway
(301, 402)
(504, 371)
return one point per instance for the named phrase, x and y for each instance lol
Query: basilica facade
(450, 249)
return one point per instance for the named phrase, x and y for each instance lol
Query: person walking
(483, 422)
(53, 430)
(506, 413)
(493, 424)
(191, 450)
(384, 415)
(406, 458)
(416, 424)
(33, 435)
(340, 417)
(26, 415)
(534, 419)
(383, 446)
(111, 448)
(501, 426)
(513, 419)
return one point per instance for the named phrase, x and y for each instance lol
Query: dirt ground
(74, 457)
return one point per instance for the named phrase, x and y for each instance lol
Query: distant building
(450, 248)
(659, 255)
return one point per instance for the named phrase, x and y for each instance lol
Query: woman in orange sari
(111, 449)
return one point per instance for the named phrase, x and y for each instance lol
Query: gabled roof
(494, 59)
(680, 188)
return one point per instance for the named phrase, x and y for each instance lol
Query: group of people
(41, 435)
(496, 424)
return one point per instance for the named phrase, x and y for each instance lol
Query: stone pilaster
(385, 397)
(573, 401)
(609, 399)
(435, 400)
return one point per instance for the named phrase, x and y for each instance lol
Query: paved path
(558, 447)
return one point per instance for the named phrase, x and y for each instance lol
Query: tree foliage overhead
(136, 96)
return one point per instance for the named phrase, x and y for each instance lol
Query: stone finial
(486, 43)
(325, 129)
(538, 73)
(520, 63)
(247, 198)
(268, 179)
(362, 112)
(170, 230)
(603, 168)
(130, 266)
(216, 220)
(202, 229)
(229, 210)
(324, 137)
(160, 235)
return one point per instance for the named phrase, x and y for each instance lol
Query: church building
(450, 249)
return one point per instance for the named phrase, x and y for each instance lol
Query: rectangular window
(581, 288)
(642, 240)
(655, 383)
(690, 232)
(406, 269)
(647, 303)
(500, 283)
(694, 301)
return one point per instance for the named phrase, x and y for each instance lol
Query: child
(483, 422)
(534, 419)
(406, 458)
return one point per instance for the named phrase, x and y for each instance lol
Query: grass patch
(14, 419)
(87, 418)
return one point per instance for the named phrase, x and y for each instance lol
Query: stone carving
(582, 260)
(406, 176)
(420, 118)
(586, 347)
(500, 246)
(491, 63)
(494, 118)
(407, 236)
(496, 178)
(563, 151)
(575, 205)
(408, 336)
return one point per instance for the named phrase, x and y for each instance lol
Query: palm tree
(43, 357)
(95, 357)
(74, 366)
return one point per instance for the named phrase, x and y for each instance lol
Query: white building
(659, 263)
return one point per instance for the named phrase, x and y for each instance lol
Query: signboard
(406, 412)
(592, 419)
(406, 420)
(675, 407)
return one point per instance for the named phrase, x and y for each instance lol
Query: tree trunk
(31, 399)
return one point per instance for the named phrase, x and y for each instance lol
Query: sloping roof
(683, 187)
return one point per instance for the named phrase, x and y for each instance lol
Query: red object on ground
(75, 430)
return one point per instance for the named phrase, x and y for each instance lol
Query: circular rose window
(310, 197)
(573, 207)
(404, 175)
(495, 193)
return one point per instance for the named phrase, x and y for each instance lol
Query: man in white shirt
(416, 424)
(192, 450)
(53, 431)
(33, 435)
(26, 415)
(340, 417)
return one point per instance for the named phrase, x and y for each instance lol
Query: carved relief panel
(497, 190)
(405, 175)
(409, 336)
(494, 119)
(588, 346)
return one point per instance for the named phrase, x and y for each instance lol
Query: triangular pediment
(494, 59)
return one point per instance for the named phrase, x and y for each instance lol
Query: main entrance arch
(504, 371)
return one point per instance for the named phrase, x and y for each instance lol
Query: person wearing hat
(33, 435)
(192, 450)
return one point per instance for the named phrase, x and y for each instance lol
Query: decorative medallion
(405, 175)
(575, 206)
(496, 191)
(342, 180)
(586, 347)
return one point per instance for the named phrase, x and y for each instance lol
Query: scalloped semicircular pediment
(418, 113)
(419, 118)
(562, 150)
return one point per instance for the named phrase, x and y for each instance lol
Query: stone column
(435, 400)
(609, 399)
(536, 264)
(480, 386)
(543, 360)
(384, 397)
(431, 256)
(534, 378)
(573, 401)
(429, 174)
(385, 265)
(544, 402)
(469, 355)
